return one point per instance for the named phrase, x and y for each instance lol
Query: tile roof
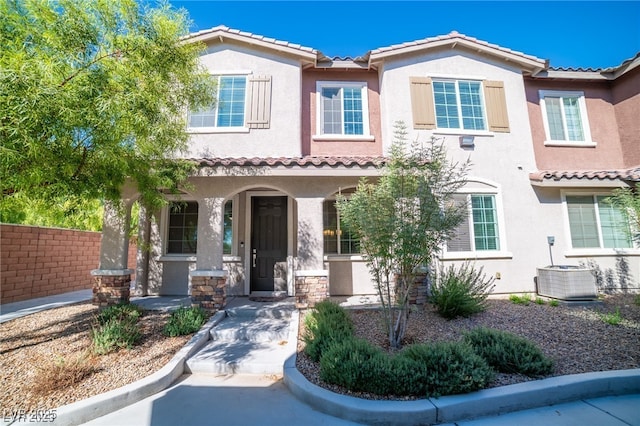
(225, 29)
(306, 161)
(603, 70)
(632, 174)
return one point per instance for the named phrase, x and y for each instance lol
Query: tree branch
(93, 62)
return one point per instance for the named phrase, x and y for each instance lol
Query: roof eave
(532, 65)
(221, 36)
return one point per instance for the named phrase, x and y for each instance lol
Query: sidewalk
(254, 399)
(9, 311)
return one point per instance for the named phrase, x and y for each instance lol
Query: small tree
(92, 94)
(403, 219)
(628, 200)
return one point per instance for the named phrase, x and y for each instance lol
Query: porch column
(311, 279)
(112, 280)
(144, 247)
(208, 280)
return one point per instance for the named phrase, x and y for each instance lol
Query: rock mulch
(31, 346)
(576, 338)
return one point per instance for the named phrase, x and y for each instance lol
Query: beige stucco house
(293, 128)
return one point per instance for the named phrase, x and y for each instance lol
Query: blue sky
(596, 34)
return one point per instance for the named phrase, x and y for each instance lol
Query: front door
(268, 240)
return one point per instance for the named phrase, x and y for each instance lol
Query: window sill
(462, 132)
(570, 144)
(205, 130)
(343, 258)
(343, 138)
(472, 255)
(594, 252)
(177, 258)
(230, 258)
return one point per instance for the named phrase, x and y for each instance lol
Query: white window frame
(591, 251)
(503, 252)
(586, 128)
(366, 132)
(228, 129)
(461, 129)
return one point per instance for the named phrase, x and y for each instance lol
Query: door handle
(253, 258)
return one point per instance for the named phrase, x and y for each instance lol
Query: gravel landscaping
(32, 347)
(576, 338)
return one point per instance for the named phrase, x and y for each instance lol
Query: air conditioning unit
(567, 282)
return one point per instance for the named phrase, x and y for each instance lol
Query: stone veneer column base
(209, 289)
(110, 286)
(418, 291)
(311, 287)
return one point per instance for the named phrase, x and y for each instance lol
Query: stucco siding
(626, 97)
(502, 160)
(311, 146)
(603, 124)
(282, 138)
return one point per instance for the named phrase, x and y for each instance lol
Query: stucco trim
(590, 144)
(472, 255)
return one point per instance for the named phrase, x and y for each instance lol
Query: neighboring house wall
(38, 262)
(501, 161)
(315, 145)
(603, 125)
(626, 98)
(611, 115)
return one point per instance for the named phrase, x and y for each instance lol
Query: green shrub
(636, 299)
(524, 299)
(357, 365)
(508, 352)
(122, 311)
(115, 334)
(612, 318)
(540, 301)
(460, 292)
(327, 323)
(185, 320)
(554, 303)
(447, 368)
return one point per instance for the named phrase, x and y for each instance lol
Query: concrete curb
(105, 403)
(452, 408)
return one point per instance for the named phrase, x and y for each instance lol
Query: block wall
(38, 262)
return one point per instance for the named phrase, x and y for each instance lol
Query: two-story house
(292, 128)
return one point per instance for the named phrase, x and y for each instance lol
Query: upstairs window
(564, 116)
(459, 104)
(479, 230)
(595, 223)
(228, 110)
(183, 228)
(342, 108)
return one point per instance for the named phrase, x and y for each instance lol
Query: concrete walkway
(598, 399)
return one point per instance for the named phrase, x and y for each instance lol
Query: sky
(570, 34)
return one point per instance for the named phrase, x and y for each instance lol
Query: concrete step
(256, 329)
(240, 357)
(282, 310)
